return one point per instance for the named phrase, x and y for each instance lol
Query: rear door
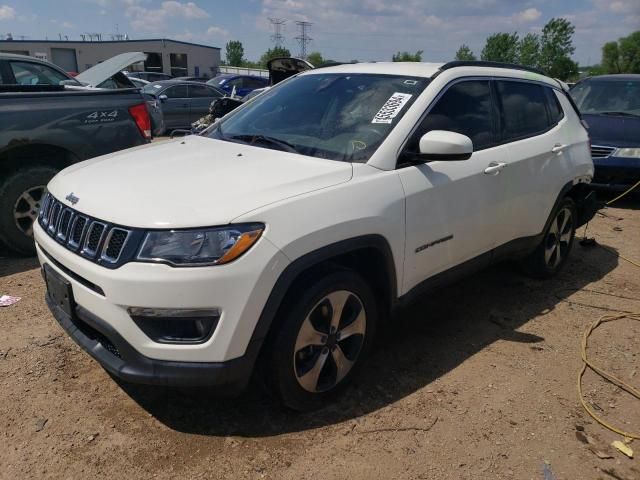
(453, 208)
(175, 108)
(531, 128)
(200, 97)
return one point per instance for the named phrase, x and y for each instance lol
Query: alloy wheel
(558, 238)
(329, 341)
(26, 208)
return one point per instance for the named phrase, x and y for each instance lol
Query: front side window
(464, 108)
(199, 91)
(523, 109)
(179, 91)
(334, 116)
(614, 97)
(27, 73)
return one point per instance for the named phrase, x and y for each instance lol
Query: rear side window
(27, 73)
(523, 109)
(464, 108)
(555, 110)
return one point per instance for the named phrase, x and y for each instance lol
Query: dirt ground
(477, 381)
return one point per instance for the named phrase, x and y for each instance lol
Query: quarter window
(555, 110)
(464, 108)
(523, 109)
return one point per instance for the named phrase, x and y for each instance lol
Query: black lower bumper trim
(118, 357)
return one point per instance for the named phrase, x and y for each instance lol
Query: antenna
(303, 38)
(277, 38)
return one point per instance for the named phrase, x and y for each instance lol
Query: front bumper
(615, 173)
(119, 358)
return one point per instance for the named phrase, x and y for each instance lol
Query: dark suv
(610, 104)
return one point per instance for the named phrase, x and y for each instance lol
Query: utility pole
(277, 38)
(303, 38)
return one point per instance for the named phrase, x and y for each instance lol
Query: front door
(454, 209)
(176, 107)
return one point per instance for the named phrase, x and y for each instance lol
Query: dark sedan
(182, 103)
(610, 104)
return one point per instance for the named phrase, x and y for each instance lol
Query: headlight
(208, 246)
(628, 152)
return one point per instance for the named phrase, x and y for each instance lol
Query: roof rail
(479, 63)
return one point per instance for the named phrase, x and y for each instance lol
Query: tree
(501, 47)
(556, 48)
(622, 56)
(529, 50)
(465, 54)
(274, 52)
(315, 59)
(234, 53)
(408, 57)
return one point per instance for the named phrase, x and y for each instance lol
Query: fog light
(171, 325)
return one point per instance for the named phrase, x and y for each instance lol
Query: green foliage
(529, 50)
(556, 48)
(622, 56)
(315, 59)
(465, 54)
(408, 57)
(234, 53)
(501, 47)
(274, 52)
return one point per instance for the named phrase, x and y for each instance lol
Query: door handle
(558, 148)
(494, 168)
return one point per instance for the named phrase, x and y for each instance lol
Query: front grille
(93, 239)
(601, 151)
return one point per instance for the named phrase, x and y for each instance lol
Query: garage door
(65, 58)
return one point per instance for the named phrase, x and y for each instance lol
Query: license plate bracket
(60, 290)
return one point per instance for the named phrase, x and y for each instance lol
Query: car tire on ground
(552, 253)
(320, 345)
(20, 196)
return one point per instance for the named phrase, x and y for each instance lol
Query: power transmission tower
(277, 38)
(303, 38)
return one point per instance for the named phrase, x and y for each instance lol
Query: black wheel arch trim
(314, 258)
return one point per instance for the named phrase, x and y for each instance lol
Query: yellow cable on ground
(614, 380)
(623, 194)
(586, 363)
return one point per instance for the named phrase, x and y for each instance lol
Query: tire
(302, 370)
(20, 195)
(552, 253)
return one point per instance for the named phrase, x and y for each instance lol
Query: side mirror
(163, 98)
(444, 145)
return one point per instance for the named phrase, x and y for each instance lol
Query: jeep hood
(191, 182)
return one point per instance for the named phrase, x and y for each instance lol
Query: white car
(295, 224)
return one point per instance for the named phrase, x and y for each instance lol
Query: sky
(342, 30)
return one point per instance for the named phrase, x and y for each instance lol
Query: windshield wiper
(251, 139)
(620, 114)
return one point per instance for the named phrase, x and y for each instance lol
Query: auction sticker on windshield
(391, 108)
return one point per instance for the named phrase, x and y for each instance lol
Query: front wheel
(323, 340)
(551, 255)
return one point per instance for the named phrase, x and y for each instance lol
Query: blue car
(243, 84)
(610, 104)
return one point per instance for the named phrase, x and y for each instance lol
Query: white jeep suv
(287, 230)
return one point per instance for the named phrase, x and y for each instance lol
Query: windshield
(219, 80)
(334, 116)
(612, 96)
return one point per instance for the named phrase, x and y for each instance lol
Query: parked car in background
(150, 76)
(181, 103)
(193, 79)
(48, 123)
(243, 84)
(280, 238)
(610, 105)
